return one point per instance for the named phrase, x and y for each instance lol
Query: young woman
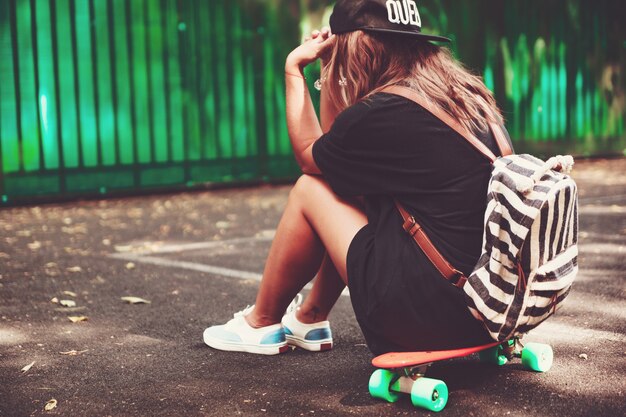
(371, 147)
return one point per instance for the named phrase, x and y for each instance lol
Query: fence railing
(98, 96)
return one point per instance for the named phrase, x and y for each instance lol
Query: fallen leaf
(73, 310)
(74, 352)
(68, 303)
(27, 367)
(130, 265)
(106, 242)
(135, 213)
(123, 248)
(75, 230)
(35, 245)
(70, 293)
(76, 319)
(98, 280)
(50, 405)
(268, 234)
(74, 269)
(135, 300)
(4, 255)
(583, 356)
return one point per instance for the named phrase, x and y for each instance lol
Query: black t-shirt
(389, 147)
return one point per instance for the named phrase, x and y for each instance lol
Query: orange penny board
(394, 360)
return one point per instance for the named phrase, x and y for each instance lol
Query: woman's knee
(309, 186)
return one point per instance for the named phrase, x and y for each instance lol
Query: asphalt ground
(197, 257)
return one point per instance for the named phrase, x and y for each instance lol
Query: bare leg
(326, 290)
(316, 222)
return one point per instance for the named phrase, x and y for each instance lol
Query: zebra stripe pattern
(529, 256)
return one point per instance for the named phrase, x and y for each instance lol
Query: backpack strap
(503, 144)
(498, 134)
(415, 230)
(410, 225)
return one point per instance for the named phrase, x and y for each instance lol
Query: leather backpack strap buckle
(415, 230)
(459, 279)
(411, 226)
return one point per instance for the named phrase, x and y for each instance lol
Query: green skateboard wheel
(379, 386)
(537, 357)
(493, 356)
(431, 394)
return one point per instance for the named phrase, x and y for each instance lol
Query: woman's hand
(316, 46)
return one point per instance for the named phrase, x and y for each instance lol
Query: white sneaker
(238, 336)
(314, 337)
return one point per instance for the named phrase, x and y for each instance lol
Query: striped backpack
(529, 253)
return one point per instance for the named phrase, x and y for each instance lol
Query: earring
(343, 81)
(318, 84)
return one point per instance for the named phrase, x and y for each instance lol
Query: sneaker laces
(295, 304)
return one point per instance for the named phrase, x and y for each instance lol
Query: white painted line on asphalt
(157, 247)
(582, 235)
(601, 199)
(552, 330)
(592, 209)
(603, 248)
(12, 337)
(141, 256)
(194, 266)
(596, 273)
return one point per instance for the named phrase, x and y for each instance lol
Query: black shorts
(406, 305)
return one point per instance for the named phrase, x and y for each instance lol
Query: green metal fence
(98, 96)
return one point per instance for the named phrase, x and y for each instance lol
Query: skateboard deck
(394, 360)
(403, 372)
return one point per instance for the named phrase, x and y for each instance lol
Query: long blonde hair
(362, 64)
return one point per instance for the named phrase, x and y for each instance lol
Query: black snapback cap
(399, 17)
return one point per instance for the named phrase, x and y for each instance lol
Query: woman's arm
(302, 122)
